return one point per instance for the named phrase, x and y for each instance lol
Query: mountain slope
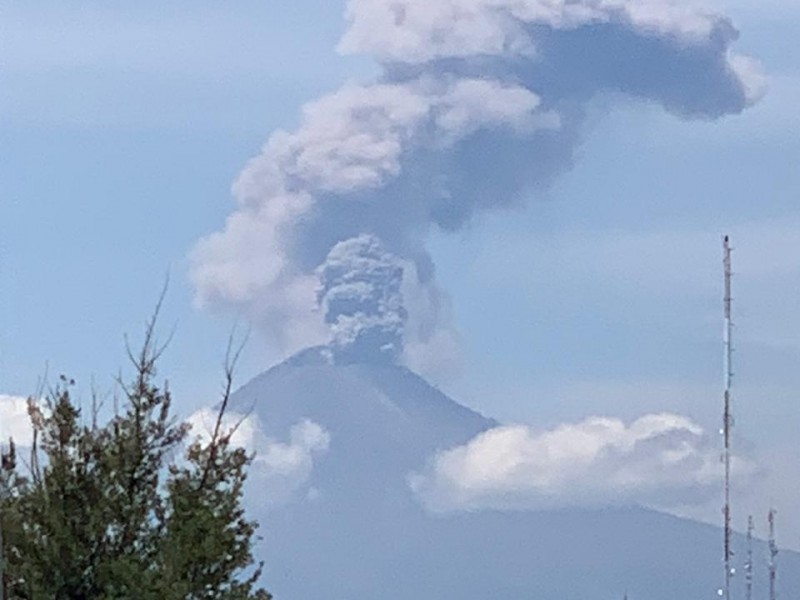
(383, 420)
(361, 534)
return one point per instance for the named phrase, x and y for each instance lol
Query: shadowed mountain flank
(355, 531)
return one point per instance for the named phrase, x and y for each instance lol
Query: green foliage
(126, 510)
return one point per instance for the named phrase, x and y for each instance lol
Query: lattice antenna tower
(748, 566)
(727, 422)
(7, 461)
(3, 491)
(773, 557)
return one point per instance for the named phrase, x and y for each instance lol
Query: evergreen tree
(131, 509)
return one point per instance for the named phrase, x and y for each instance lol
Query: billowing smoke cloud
(280, 470)
(14, 420)
(362, 299)
(661, 461)
(480, 102)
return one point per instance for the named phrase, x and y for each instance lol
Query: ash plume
(480, 103)
(362, 299)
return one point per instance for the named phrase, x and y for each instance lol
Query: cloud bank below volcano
(479, 104)
(280, 469)
(15, 423)
(661, 461)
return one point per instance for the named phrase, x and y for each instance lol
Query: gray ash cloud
(479, 104)
(362, 300)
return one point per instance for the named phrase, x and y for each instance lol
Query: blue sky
(124, 125)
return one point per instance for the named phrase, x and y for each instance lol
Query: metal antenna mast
(727, 421)
(748, 566)
(773, 555)
(2, 558)
(7, 458)
(3, 486)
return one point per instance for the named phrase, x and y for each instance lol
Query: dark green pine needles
(131, 509)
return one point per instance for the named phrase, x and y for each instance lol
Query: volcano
(355, 531)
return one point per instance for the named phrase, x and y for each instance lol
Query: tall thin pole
(748, 566)
(2, 558)
(773, 556)
(7, 459)
(727, 421)
(3, 485)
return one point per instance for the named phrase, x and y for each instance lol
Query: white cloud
(14, 420)
(661, 461)
(420, 30)
(280, 469)
(295, 458)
